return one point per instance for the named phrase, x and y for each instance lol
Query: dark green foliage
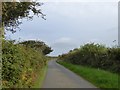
(11, 62)
(38, 45)
(12, 12)
(95, 55)
(20, 65)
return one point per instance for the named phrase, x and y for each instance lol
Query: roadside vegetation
(100, 78)
(40, 78)
(21, 65)
(104, 60)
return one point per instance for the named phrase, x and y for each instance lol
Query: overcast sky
(71, 24)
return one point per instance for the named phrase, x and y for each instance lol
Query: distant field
(100, 78)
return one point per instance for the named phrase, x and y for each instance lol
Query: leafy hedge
(20, 65)
(37, 45)
(95, 55)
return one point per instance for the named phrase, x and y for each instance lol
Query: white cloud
(77, 1)
(63, 45)
(79, 10)
(64, 42)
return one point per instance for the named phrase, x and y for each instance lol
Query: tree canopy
(38, 45)
(13, 12)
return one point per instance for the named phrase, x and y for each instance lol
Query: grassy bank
(40, 78)
(100, 78)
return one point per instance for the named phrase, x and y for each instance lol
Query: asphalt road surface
(58, 76)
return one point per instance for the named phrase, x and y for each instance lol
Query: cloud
(63, 45)
(64, 42)
(57, 1)
(70, 25)
(86, 9)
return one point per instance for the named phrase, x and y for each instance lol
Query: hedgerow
(95, 55)
(20, 65)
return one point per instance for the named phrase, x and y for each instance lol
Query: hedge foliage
(95, 55)
(20, 65)
(37, 45)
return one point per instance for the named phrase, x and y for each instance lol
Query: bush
(38, 45)
(94, 55)
(20, 65)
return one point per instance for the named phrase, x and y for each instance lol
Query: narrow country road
(59, 77)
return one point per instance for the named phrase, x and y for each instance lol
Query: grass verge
(38, 83)
(100, 78)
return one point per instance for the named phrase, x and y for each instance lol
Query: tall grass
(40, 78)
(100, 78)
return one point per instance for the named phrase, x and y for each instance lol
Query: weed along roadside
(41, 77)
(100, 78)
(95, 62)
(22, 66)
(83, 36)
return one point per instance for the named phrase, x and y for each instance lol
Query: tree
(38, 45)
(13, 12)
(47, 50)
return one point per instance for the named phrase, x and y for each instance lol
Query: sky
(69, 25)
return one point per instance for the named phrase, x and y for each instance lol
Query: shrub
(95, 55)
(38, 45)
(20, 65)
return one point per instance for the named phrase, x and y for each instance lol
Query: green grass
(100, 78)
(38, 83)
